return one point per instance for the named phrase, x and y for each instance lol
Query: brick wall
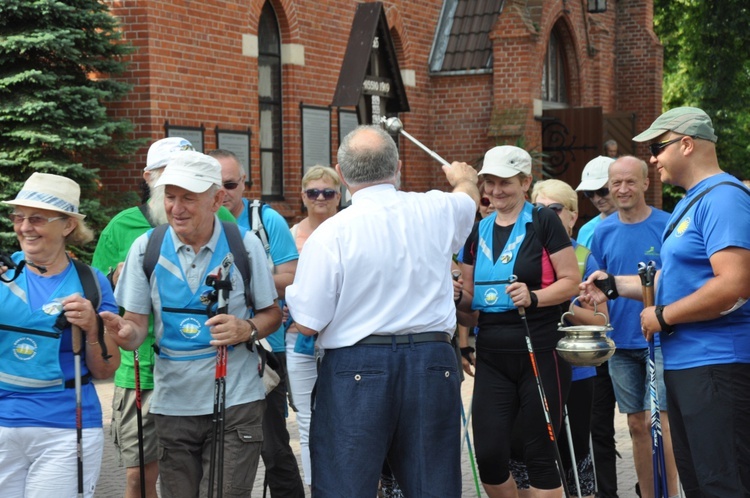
(189, 69)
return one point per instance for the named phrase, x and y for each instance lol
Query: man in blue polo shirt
(282, 472)
(700, 314)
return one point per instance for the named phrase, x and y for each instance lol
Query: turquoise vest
(491, 278)
(31, 345)
(184, 334)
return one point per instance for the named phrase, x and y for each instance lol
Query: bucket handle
(572, 313)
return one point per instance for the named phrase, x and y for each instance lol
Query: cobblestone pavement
(112, 479)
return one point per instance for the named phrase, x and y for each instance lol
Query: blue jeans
(630, 378)
(400, 402)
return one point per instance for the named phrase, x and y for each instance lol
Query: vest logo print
(651, 252)
(24, 348)
(506, 257)
(190, 328)
(53, 308)
(491, 296)
(682, 227)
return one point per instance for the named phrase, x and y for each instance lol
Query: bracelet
(460, 296)
(665, 327)
(534, 300)
(92, 343)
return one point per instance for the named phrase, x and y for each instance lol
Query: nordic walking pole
(468, 445)
(647, 273)
(573, 460)
(139, 421)
(542, 395)
(222, 285)
(77, 337)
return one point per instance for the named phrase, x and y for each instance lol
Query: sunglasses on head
(485, 202)
(602, 192)
(314, 193)
(555, 206)
(231, 185)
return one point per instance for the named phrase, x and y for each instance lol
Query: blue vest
(184, 336)
(30, 347)
(491, 278)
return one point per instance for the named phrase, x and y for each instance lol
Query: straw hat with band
(51, 192)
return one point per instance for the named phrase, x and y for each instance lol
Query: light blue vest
(184, 336)
(31, 345)
(491, 278)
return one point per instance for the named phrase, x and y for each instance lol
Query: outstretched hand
(590, 293)
(120, 330)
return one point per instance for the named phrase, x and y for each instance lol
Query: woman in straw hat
(41, 301)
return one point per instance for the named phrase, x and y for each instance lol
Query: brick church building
(259, 77)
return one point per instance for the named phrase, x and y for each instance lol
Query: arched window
(554, 84)
(269, 93)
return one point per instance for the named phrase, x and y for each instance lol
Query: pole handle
(77, 336)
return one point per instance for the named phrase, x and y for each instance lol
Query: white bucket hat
(52, 192)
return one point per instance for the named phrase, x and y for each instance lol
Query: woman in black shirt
(531, 244)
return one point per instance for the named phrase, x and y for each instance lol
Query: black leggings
(505, 388)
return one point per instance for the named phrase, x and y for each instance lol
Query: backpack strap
(672, 226)
(241, 258)
(93, 292)
(153, 248)
(255, 218)
(146, 212)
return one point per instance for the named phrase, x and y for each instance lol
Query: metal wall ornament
(558, 144)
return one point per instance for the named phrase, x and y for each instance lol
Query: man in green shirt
(111, 249)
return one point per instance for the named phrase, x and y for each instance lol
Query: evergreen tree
(57, 63)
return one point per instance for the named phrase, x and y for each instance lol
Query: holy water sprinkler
(394, 126)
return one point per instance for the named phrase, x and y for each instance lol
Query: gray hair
(368, 155)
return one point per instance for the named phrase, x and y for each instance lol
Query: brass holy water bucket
(585, 345)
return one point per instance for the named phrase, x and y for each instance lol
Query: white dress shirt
(382, 266)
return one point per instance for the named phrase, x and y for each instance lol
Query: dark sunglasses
(602, 192)
(484, 201)
(314, 193)
(555, 206)
(231, 185)
(657, 147)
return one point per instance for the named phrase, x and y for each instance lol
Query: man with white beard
(109, 256)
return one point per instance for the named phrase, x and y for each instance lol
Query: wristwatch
(665, 327)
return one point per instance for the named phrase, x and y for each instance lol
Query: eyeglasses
(34, 220)
(314, 193)
(485, 202)
(555, 206)
(657, 147)
(602, 192)
(231, 185)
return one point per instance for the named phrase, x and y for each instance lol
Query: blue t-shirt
(55, 409)
(282, 250)
(586, 232)
(619, 247)
(719, 220)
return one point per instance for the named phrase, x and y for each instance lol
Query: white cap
(192, 171)
(506, 161)
(161, 150)
(596, 173)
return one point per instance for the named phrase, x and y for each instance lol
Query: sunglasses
(602, 192)
(314, 193)
(34, 220)
(657, 147)
(485, 202)
(555, 206)
(231, 185)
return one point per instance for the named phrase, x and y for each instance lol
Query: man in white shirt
(374, 282)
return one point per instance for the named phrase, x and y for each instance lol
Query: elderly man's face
(232, 176)
(191, 215)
